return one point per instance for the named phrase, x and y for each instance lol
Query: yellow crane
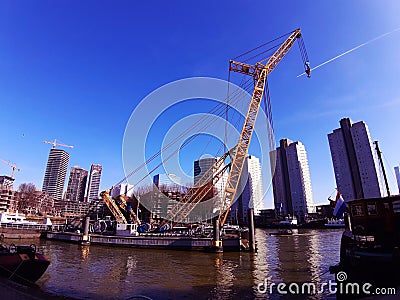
(259, 72)
(55, 144)
(238, 154)
(12, 165)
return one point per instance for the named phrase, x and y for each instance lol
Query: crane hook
(308, 69)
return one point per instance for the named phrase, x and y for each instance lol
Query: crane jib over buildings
(238, 154)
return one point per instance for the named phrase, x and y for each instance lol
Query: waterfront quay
(106, 272)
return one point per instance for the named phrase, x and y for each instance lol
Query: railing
(39, 227)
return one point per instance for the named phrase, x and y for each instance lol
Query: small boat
(282, 232)
(22, 263)
(335, 223)
(289, 221)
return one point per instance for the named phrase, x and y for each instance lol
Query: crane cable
(303, 53)
(178, 138)
(216, 108)
(267, 43)
(172, 142)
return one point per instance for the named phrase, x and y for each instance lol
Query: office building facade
(354, 161)
(76, 184)
(201, 166)
(170, 182)
(56, 172)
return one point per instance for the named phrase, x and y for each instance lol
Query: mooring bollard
(86, 238)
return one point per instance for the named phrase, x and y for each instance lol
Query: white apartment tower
(291, 180)
(354, 161)
(256, 188)
(56, 172)
(94, 182)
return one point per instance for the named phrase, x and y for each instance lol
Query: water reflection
(302, 257)
(85, 252)
(99, 272)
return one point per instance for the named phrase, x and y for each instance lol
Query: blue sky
(75, 71)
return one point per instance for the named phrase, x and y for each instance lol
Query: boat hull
(23, 266)
(149, 241)
(366, 264)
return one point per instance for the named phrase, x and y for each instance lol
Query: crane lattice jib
(198, 196)
(122, 205)
(260, 73)
(183, 208)
(113, 207)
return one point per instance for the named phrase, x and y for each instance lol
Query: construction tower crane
(55, 144)
(13, 167)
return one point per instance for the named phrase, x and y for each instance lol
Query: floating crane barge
(224, 238)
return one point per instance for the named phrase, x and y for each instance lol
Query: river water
(100, 272)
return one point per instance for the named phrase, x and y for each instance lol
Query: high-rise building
(125, 189)
(291, 180)
(169, 181)
(354, 161)
(76, 184)
(7, 182)
(56, 172)
(203, 165)
(94, 183)
(254, 169)
(397, 172)
(251, 192)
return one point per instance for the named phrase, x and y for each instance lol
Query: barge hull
(149, 242)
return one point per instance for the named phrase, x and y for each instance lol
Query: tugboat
(22, 263)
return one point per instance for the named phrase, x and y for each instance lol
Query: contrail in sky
(351, 50)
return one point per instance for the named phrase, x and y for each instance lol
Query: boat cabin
(377, 219)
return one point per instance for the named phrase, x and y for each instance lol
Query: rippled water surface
(99, 272)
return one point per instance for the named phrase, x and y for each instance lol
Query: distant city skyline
(77, 77)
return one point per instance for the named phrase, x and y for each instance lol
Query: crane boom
(13, 167)
(260, 73)
(55, 144)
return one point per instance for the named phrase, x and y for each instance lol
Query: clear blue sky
(76, 70)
